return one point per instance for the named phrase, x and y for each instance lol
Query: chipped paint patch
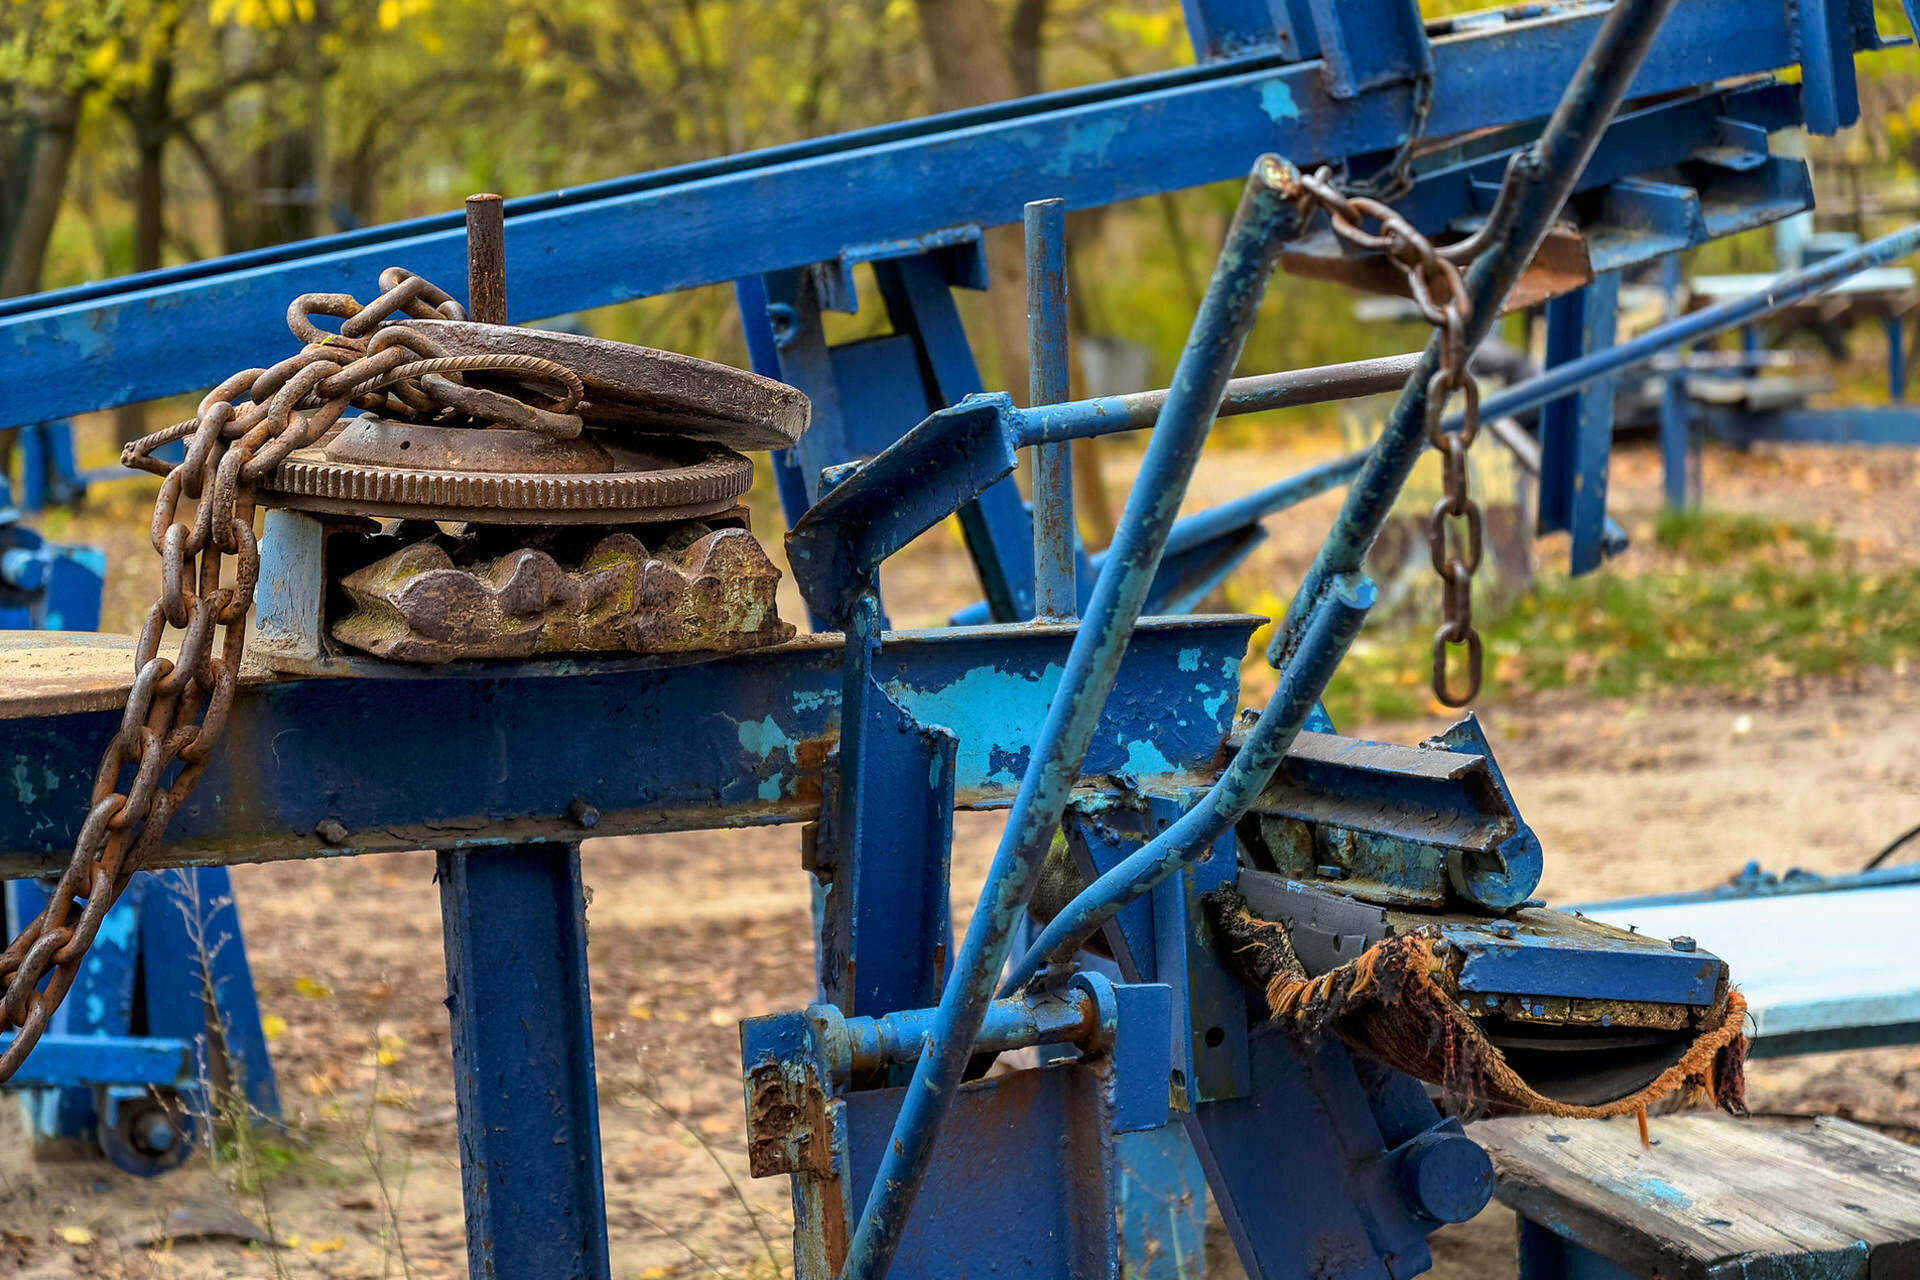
(1189, 659)
(1276, 99)
(1145, 759)
(763, 737)
(22, 784)
(772, 788)
(985, 709)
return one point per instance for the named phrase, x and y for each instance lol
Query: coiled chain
(1454, 528)
(209, 567)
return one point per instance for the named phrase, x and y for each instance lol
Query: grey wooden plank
(1716, 1197)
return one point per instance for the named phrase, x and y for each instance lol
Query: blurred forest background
(140, 133)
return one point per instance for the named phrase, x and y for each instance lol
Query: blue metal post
(1676, 417)
(1576, 433)
(1268, 215)
(516, 939)
(1538, 183)
(1055, 594)
(1896, 360)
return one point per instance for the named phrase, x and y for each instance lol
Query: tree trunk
(150, 113)
(973, 64)
(55, 121)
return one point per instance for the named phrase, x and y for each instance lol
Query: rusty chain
(1454, 528)
(177, 707)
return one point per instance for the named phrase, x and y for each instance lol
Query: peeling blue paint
(1189, 659)
(983, 708)
(772, 788)
(1144, 759)
(22, 787)
(1276, 99)
(763, 737)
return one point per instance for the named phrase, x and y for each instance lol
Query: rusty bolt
(1330, 872)
(583, 813)
(1684, 943)
(331, 830)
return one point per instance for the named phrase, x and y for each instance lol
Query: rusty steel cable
(1455, 526)
(209, 567)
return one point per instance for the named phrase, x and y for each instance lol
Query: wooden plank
(1716, 1198)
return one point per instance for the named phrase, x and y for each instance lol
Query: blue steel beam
(490, 754)
(121, 341)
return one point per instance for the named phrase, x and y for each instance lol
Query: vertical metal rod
(487, 259)
(1538, 181)
(1267, 217)
(1329, 633)
(1055, 590)
(1896, 360)
(1675, 408)
(516, 940)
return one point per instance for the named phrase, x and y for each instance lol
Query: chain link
(1455, 526)
(209, 568)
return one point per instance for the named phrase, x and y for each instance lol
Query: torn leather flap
(1396, 1002)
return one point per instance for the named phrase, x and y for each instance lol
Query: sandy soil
(690, 933)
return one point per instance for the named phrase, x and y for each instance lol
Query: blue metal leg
(1896, 360)
(1576, 433)
(195, 970)
(101, 1003)
(868, 394)
(1546, 1256)
(516, 940)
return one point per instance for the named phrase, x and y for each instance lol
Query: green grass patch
(1736, 630)
(1717, 537)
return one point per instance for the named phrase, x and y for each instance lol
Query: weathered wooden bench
(1713, 1199)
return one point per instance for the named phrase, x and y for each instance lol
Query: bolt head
(1684, 943)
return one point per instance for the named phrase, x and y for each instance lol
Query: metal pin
(487, 259)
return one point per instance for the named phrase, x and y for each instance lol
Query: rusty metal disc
(639, 387)
(506, 476)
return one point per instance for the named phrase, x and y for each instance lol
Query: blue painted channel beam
(119, 341)
(497, 753)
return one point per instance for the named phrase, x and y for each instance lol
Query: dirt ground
(691, 933)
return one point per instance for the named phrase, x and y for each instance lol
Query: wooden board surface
(1716, 1198)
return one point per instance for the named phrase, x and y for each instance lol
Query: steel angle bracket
(882, 854)
(950, 459)
(1394, 825)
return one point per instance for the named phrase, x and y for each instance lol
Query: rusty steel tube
(487, 258)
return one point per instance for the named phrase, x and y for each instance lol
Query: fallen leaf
(327, 1246)
(76, 1235)
(272, 1025)
(313, 990)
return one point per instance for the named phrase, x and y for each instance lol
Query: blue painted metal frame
(751, 737)
(741, 216)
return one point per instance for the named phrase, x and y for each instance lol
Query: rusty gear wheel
(387, 470)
